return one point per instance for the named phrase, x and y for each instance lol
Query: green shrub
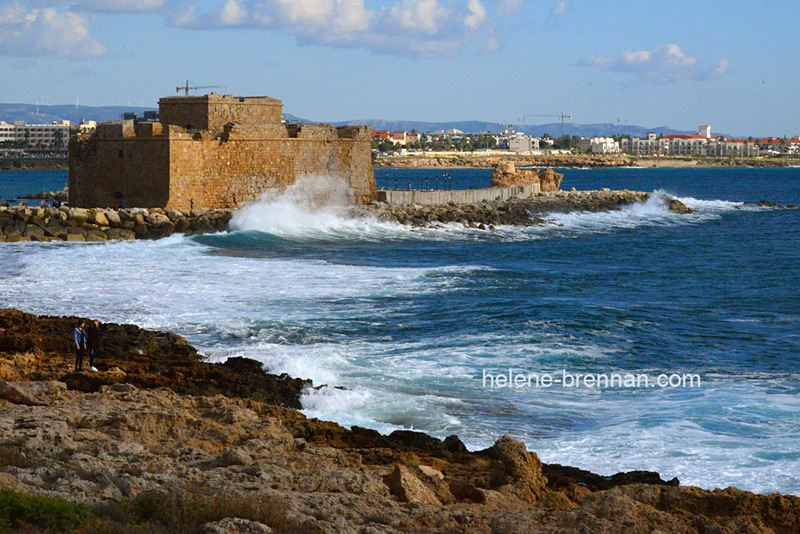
(19, 510)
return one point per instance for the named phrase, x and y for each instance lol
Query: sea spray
(313, 207)
(312, 203)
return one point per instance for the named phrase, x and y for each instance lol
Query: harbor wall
(461, 196)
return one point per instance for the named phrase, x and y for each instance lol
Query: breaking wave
(315, 206)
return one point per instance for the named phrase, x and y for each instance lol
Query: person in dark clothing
(80, 345)
(91, 342)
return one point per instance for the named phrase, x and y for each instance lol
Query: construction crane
(186, 88)
(559, 116)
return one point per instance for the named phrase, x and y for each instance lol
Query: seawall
(460, 196)
(528, 211)
(79, 224)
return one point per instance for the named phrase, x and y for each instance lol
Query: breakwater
(77, 224)
(528, 211)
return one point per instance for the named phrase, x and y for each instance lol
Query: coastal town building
(213, 151)
(53, 136)
(523, 143)
(598, 145)
(703, 144)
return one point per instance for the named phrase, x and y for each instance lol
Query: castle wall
(223, 174)
(217, 151)
(212, 112)
(107, 166)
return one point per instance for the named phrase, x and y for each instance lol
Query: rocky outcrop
(33, 164)
(98, 224)
(480, 160)
(518, 212)
(124, 448)
(517, 470)
(60, 196)
(229, 464)
(41, 348)
(505, 174)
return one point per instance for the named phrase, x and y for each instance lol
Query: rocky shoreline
(98, 224)
(176, 454)
(517, 212)
(79, 224)
(487, 161)
(585, 161)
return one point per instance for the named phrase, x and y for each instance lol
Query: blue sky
(733, 64)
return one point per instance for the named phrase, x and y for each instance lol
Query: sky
(733, 64)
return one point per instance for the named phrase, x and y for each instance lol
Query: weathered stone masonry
(215, 150)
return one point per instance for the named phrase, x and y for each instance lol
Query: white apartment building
(8, 132)
(734, 148)
(652, 145)
(523, 143)
(45, 136)
(598, 145)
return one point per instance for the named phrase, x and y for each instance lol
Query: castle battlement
(215, 150)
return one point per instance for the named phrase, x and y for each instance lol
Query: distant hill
(72, 113)
(554, 129)
(47, 114)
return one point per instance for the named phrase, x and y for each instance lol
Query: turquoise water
(411, 321)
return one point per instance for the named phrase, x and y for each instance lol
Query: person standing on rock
(80, 345)
(91, 342)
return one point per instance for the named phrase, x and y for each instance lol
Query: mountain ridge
(45, 114)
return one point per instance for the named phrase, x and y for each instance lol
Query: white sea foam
(314, 206)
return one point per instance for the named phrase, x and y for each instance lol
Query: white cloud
(665, 64)
(122, 6)
(418, 16)
(477, 15)
(233, 13)
(46, 32)
(425, 28)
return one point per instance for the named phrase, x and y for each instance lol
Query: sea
(449, 330)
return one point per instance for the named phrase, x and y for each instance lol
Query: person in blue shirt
(80, 345)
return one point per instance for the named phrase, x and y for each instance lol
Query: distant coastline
(490, 159)
(34, 164)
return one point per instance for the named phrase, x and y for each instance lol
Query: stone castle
(213, 151)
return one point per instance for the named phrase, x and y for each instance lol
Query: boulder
(31, 393)
(405, 485)
(157, 219)
(676, 206)
(549, 180)
(234, 456)
(99, 218)
(113, 218)
(79, 215)
(517, 468)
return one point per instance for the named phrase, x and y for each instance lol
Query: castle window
(120, 153)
